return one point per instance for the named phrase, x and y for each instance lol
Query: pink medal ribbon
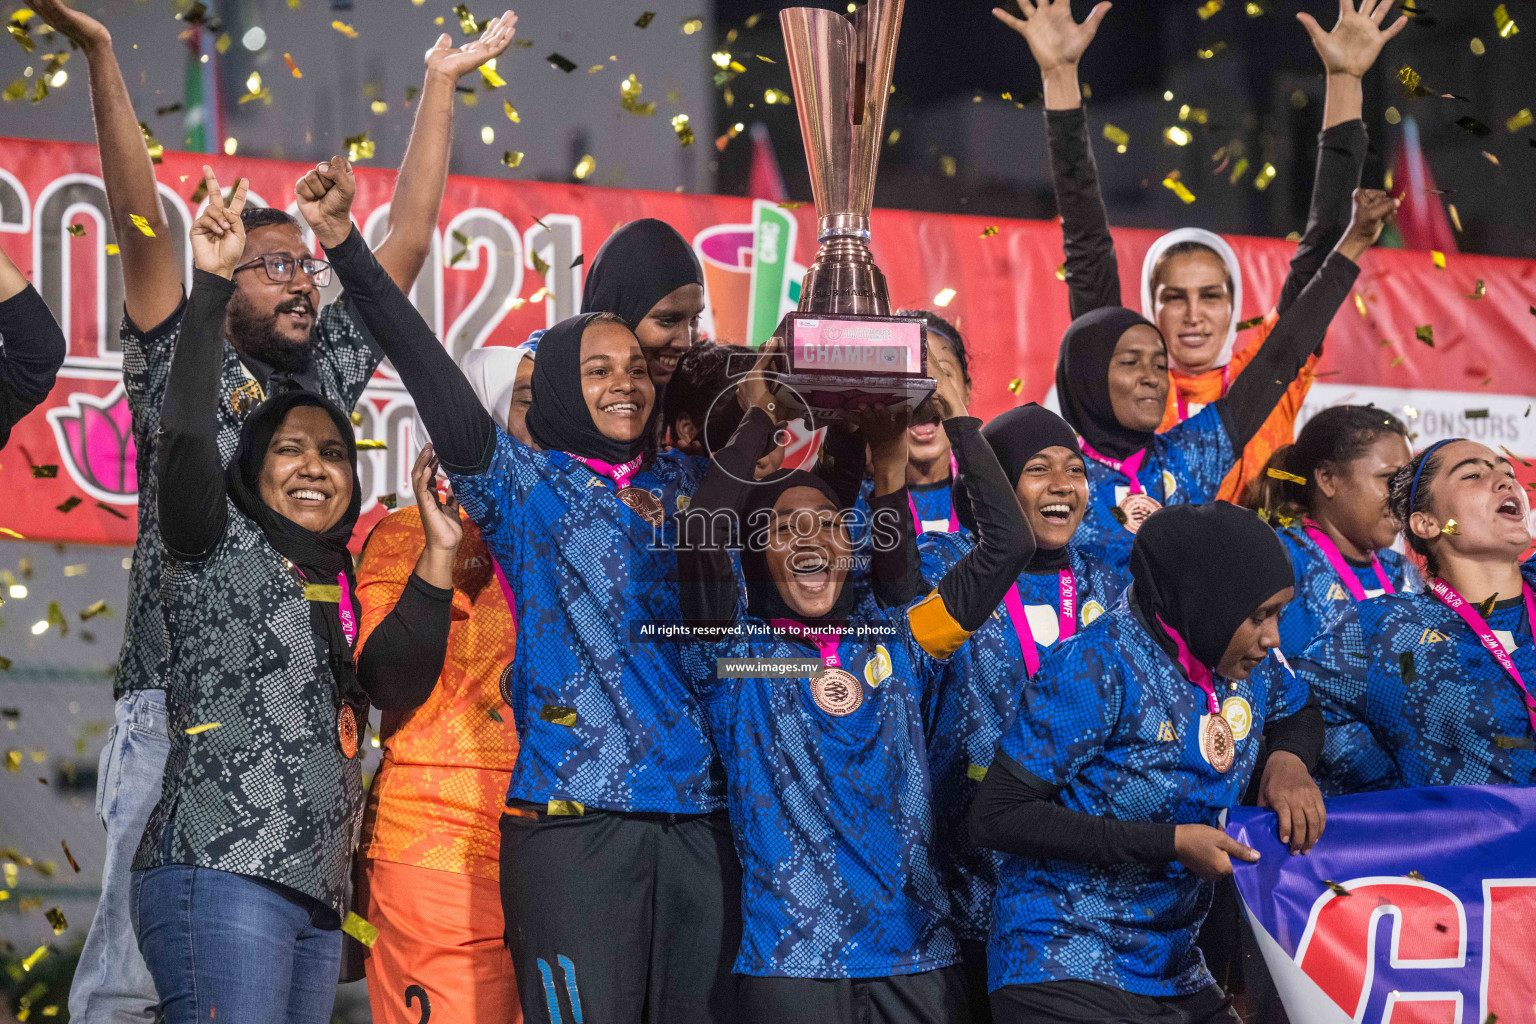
(954, 523)
(1183, 404)
(825, 640)
(1458, 604)
(836, 691)
(619, 474)
(1130, 467)
(348, 621)
(1197, 673)
(1066, 615)
(506, 589)
(1331, 552)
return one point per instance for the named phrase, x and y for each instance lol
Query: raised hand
(81, 29)
(1054, 38)
(1373, 210)
(1357, 38)
(1208, 852)
(949, 398)
(218, 236)
(325, 199)
(455, 62)
(439, 521)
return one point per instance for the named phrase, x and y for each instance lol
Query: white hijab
(1223, 250)
(492, 374)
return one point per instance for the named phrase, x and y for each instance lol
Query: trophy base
(837, 365)
(835, 397)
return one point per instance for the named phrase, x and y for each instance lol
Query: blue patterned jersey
(1111, 719)
(1321, 599)
(1432, 697)
(934, 504)
(833, 816)
(1185, 465)
(604, 714)
(973, 702)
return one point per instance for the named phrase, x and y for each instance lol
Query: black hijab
(641, 263)
(1203, 569)
(322, 557)
(1017, 436)
(1082, 380)
(763, 598)
(559, 419)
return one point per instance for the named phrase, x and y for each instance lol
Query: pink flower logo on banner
(95, 436)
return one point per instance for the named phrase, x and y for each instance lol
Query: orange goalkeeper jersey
(437, 798)
(1201, 389)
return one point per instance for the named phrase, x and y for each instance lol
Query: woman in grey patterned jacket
(241, 879)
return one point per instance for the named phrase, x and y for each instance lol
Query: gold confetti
(142, 224)
(556, 714)
(1438, 258)
(1177, 136)
(1178, 188)
(344, 29)
(360, 929)
(1119, 136)
(539, 296)
(20, 34)
(683, 129)
(1208, 53)
(33, 957)
(325, 593)
(894, 137)
(1209, 8)
(370, 445)
(779, 96)
(1490, 158)
(1474, 126)
(1479, 290)
(1336, 888)
(16, 90)
(1415, 876)
(1426, 334)
(1360, 305)
(1264, 177)
(492, 79)
(511, 158)
(629, 98)
(90, 612)
(1238, 170)
(944, 297)
(976, 772)
(1280, 474)
(389, 501)
(56, 920)
(1476, 414)
(72, 862)
(1061, 271)
(989, 231)
(1478, 47)
(1505, 23)
(44, 472)
(1450, 529)
(1520, 119)
(196, 729)
(947, 165)
(511, 112)
(467, 23)
(1393, 115)
(584, 167)
(790, 204)
(692, 25)
(359, 147)
(1455, 217)
(12, 764)
(288, 59)
(1015, 385)
(487, 134)
(566, 808)
(561, 62)
(644, 19)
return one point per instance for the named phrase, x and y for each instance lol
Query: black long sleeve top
(397, 666)
(32, 349)
(1093, 279)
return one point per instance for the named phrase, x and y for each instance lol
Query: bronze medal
(1216, 742)
(644, 504)
(346, 730)
(836, 692)
(1136, 508)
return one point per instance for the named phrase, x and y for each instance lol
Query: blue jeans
(236, 949)
(112, 985)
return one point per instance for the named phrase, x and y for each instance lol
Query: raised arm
(192, 511)
(1300, 330)
(1057, 44)
(31, 347)
(1347, 53)
(418, 191)
(402, 656)
(151, 272)
(462, 431)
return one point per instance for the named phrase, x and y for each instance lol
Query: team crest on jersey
(878, 668)
(1091, 610)
(1239, 715)
(1337, 593)
(1165, 733)
(1433, 636)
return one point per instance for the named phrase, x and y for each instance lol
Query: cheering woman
(1112, 378)
(616, 809)
(1108, 789)
(32, 348)
(1441, 679)
(1191, 284)
(845, 918)
(241, 879)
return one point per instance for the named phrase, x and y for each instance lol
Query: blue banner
(1417, 906)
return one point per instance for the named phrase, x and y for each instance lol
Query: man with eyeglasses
(279, 336)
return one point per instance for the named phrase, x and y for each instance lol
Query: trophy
(843, 348)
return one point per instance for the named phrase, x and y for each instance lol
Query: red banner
(482, 286)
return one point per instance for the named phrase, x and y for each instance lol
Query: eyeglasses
(281, 267)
